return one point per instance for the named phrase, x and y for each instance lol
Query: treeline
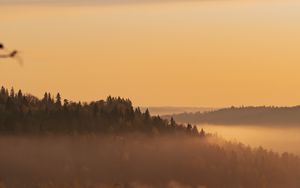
(21, 113)
(262, 115)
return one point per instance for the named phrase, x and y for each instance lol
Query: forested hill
(244, 115)
(21, 113)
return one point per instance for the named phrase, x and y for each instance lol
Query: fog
(137, 161)
(275, 138)
(96, 161)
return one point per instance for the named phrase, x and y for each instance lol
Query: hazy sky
(199, 53)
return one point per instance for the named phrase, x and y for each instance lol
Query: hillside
(27, 114)
(244, 115)
(53, 143)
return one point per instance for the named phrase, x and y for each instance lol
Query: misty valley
(274, 128)
(279, 139)
(149, 94)
(51, 142)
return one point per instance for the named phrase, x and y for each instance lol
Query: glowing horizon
(209, 53)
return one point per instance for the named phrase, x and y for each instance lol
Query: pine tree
(172, 122)
(147, 114)
(58, 100)
(12, 93)
(195, 130)
(189, 128)
(2, 91)
(20, 95)
(202, 133)
(45, 98)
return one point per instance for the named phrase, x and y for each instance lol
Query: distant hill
(261, 115)
(167, 110)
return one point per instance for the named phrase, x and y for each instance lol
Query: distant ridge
(168, 110)
(251, 115)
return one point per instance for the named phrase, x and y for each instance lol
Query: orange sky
(200, 53)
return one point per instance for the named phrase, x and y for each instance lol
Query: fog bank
(141, 161)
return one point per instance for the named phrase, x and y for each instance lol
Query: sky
(211, 53)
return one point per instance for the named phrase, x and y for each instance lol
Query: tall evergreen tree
(12, 93)
(20, 95)
(58, 99)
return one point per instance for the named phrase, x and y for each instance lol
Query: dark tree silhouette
(58, 100)
(21, 113)
(172, 122)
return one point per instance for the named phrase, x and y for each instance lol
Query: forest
(56, 143)
(250, 115)
(26, 114)
(138, 161)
